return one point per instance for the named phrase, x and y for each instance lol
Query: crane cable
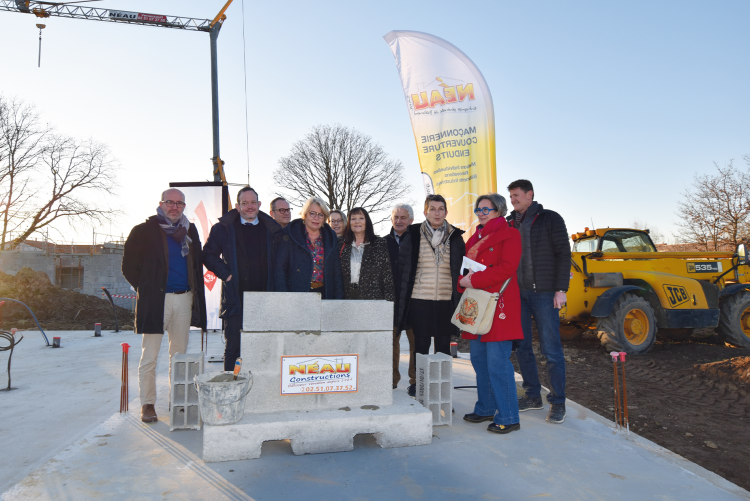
(244, 63)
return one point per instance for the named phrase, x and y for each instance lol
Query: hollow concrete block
(339, 315)
(435, 386)
(184, 409)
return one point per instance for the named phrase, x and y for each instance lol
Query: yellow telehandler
(629, 293)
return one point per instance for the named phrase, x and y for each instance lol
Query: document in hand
(471, 265)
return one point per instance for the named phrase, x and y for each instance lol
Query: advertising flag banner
(453, 120)
(204, 203)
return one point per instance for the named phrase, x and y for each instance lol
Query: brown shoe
(148, 414)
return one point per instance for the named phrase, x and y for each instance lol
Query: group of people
(416, 266)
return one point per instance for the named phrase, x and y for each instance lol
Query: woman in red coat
(498, 247)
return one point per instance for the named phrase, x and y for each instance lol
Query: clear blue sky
(608, 107)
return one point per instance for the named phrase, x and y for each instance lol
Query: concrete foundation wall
(99, 270)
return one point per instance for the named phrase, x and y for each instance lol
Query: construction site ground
(63, 438)
(690, 397)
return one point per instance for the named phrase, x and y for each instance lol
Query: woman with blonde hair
(307, 256)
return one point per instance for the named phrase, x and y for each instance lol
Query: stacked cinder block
(185, 413)
(435, 386)
(277, 324)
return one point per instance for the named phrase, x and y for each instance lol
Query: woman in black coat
(365, 262)
(306, 254)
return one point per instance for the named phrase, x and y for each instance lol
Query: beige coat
(433, 282)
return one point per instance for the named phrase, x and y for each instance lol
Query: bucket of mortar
(222, 400)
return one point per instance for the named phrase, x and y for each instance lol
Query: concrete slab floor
(62, 438)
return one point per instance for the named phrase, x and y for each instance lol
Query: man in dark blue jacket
(239, 251)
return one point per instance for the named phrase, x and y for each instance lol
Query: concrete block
(373, 388)
(356, 315)
(402, 424)
(262, 352)
(185, 413)
(281, 311)
(435, 386)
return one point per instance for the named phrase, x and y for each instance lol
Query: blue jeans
(547, 318)
(496, 383)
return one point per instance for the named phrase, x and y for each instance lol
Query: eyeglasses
(283, 211)
(316, 215)
(483, 210)
(245, 204)
(172, 203)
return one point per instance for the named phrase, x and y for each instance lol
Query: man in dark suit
(402, 216)
(162, 261)
(239, 251)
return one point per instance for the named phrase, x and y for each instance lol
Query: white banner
(306, 374)
(452, 118)
(203, 209)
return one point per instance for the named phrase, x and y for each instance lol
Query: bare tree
(47, 178)
(716, 208)
(656, 236)
(345, 168)
(22, 139)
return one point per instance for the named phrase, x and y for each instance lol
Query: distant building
(85, 268)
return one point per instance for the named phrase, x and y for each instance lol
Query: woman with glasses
(337, 220)
(307, 254)
(365, 262)
(498, 247)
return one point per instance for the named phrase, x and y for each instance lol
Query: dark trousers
(431, 319)
(397, 356)
(442, 345)
(232, 338)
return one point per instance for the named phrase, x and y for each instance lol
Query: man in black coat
(162, 261)
(239, 251)
(402, 216)
(543, 277)
(428, 294)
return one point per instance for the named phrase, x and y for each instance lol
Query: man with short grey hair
(162, 261)
(402, 216)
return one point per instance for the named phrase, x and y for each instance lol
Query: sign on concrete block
(306, 374)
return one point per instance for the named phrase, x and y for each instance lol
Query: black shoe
(529, 404)
(476, 418)
(395, 386)
(503, 429)
(556, 413)
(412, 390)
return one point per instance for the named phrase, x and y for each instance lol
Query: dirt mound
(55, 308)
(734, 369)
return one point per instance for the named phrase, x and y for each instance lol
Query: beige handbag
(476, 310)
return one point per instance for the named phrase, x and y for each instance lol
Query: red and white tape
(126, 296)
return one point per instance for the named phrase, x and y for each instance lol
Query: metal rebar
(624, 392)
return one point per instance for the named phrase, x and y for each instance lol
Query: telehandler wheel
(676, 334)
(734, 321)
(631, 327)
(570, 332)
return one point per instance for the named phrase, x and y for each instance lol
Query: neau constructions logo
(469, 311)
(450, 94)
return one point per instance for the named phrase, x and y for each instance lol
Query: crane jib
(137, 16)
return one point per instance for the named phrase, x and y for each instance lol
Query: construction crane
(74, 11)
